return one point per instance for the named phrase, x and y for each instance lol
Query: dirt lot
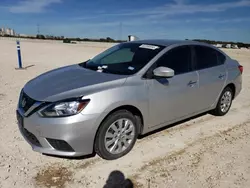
(206, 151)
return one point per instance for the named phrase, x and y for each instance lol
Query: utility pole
(38, 29)
(120, 31)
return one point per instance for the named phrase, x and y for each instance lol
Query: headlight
(64, 109)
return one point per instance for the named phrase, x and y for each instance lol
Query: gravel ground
(205, 151)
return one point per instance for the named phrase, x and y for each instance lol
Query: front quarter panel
(133, 92)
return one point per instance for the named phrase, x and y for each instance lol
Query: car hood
(70, 81)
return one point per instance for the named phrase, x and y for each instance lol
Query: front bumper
(77, 131)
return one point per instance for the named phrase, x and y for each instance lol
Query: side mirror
(163, 72)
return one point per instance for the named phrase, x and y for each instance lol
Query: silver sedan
(102, 105)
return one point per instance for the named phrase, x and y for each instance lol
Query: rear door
(212, 75)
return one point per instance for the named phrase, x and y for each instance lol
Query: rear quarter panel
(233, 75)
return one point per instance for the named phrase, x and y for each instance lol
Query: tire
(219, 110)
(122, 139)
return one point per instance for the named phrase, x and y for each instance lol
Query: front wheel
(117, 135)
(224, 103)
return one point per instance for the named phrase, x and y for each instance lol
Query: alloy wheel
(119, 136)
(226, 101)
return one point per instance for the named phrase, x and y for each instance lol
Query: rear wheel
(224, 103)
(117, 135)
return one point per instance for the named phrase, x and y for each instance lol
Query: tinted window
(178, 59)
(207, 57)
(221, 58)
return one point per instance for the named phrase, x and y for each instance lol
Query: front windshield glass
(124, 59)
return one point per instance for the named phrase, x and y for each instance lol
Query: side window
(221, 58)
(120, 56)
(206, 57)
(178, 59)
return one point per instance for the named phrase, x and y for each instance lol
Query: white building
(218, 45)
(235, 46)
(228, 46)
(1, 31)
(132, 38)
(7, 31)
(12, 32)
(23, 35)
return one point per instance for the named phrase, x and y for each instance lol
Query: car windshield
(124, 59)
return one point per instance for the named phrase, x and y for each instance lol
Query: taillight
(240, 68)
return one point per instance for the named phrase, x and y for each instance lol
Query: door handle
(221, 76)
(192, 83)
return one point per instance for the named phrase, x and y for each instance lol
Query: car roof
(166, 42)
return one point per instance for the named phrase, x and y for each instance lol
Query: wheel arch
(232, 87)
(134, 110)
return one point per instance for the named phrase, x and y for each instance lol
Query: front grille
(60, 145)
(31, 138)
(26, 102)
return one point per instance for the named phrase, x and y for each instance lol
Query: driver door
(173, 98)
